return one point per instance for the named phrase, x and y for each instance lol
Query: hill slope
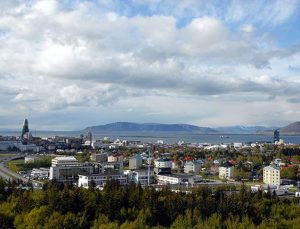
(293, 128)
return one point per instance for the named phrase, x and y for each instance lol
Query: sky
(69, 64)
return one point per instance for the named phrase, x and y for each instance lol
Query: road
(6, 173)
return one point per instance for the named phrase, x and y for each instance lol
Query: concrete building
(178, 179)
(31, 159)
(99, 157)
(141, 176)
(5, 145)
(192, 167)
(99, 180)
(29, 148)
(271, 175)
(68, 168)
(163, 163)
(276, 136)
(226, 171)
(135, 162)
(115, 158)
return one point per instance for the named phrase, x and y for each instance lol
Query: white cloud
(53, 58)
(247, 28)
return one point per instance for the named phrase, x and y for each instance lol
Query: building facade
(276, 136)
(135, 162)
(67, 169)
(141, 176)
(99, 180)
(192, 167)
(163, 163)
(271, 175)
(226, 171)
(177, 179)
(115, 158)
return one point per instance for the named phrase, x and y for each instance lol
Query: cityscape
(30, 162)
(149, 114)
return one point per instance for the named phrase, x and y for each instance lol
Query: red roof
(233, 162)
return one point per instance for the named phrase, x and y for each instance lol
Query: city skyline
(66, 65)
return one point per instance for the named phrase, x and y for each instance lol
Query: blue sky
(70, 64)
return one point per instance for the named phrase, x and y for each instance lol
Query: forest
(60, 205)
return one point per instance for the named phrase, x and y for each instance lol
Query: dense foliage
(64, 206)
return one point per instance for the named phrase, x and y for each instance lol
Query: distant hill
(291, 129)
(245, 129)
(129, 126)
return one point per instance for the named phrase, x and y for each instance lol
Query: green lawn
(7, 154)
(15, 165)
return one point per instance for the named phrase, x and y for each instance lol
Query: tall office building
(276, 136)
(25, 128)
(88, 138)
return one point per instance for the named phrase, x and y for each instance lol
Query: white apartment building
(135, 162)
(271, 175)
(70, 160)
(163, 163)
(226, 171)
(192, 167)
(177, 179)
(67, 169)
(141, 176)
(115, 158)
(99, 180)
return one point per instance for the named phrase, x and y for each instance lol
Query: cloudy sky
(73, 63)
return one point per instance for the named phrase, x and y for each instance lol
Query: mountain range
(130, 126)
(291, 129)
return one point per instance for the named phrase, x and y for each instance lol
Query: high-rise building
(276, 136)
(25, 129)
(88, 138)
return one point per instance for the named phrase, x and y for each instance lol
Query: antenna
(148, 166)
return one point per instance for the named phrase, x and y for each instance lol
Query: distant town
(87, 162)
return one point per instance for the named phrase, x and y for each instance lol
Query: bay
(167, 137)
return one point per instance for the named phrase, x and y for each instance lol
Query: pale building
(67, 169)
(99, 180)
(29, 147)
(178, 179)
(115, 158)
(64, 161)
(135, 162)
(99, 157)
(226, 171)
(31, 159)
(163, 163)
(141, 176)
(192, 167)
(271, 175)
(5, 145)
